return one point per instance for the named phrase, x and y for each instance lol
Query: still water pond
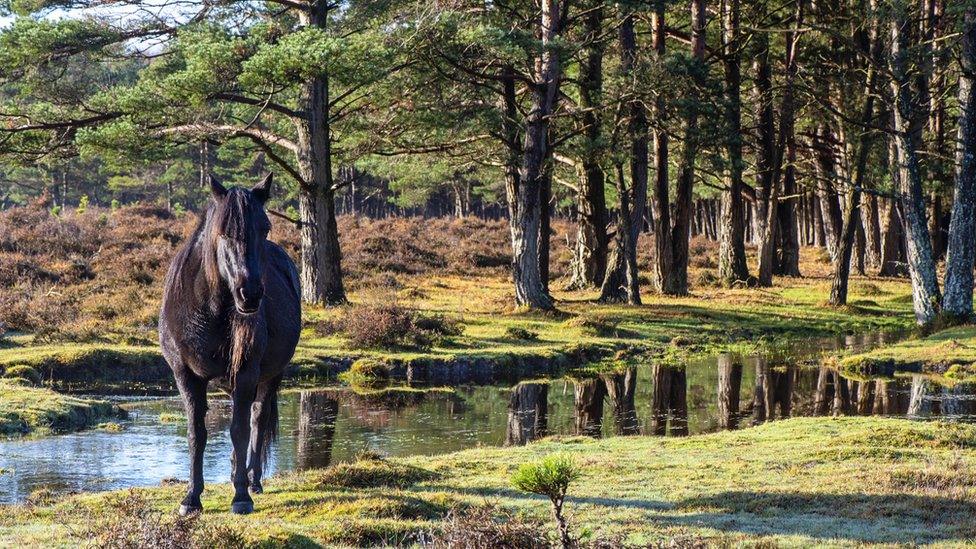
(322, 426)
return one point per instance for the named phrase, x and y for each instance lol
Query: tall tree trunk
(321, 270)
(590, 263)
(661, 267)
(852, 218)
(767, 190)
(909, 120)
(958, 301)
(732, 254)
(833, 217)
(626, 248)
(677, 282)
(530, 290)
(617, 283)
(939, 173)
(788, 262)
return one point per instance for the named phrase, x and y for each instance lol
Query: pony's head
(240, 229)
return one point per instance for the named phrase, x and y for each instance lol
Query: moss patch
(949, 353)
(794, 483)
(33, 410)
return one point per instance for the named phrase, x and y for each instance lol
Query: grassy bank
(950, 354)
(26, 410)
(503, 341)
(799, 482)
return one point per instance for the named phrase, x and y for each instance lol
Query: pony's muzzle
(248, 298)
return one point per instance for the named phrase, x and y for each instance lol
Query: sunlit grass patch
(35, 410)
(794, 483)
(950, 354)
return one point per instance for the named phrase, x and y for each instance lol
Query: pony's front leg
(243, 394)
(194, 393)
(264, 427)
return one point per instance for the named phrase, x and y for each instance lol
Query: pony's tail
(270, 413)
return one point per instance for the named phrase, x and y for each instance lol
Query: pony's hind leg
(264, 429)
(194, 393)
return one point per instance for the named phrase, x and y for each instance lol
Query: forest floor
(849, 481)
(948, 355)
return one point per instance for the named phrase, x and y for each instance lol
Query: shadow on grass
(859, 518)
(874, 518)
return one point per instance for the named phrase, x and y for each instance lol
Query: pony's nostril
(241, 294)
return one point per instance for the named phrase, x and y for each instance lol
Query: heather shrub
(514, 332)
(131, 520)
(486, 526)
(99, 273)
(594, 325)
(380, 326)
(390, 325)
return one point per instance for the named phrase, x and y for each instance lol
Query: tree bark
(530, 290)
(677, 282)
(788, 262)
(661, 267)
(958, 300)
(545, 223)
(321, 261)
(617, 285)
(872, 231)
(842, 263)
(909, 120)
(732, 254)
(590, 263)
(767, 189)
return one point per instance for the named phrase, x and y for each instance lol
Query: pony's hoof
(256, 488)
(242, 507)
(187, 510)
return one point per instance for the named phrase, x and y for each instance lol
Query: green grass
(710, 319)
(950, 354)
(794, 483)
(26, 410)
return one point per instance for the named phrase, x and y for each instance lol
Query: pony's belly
(208, 368)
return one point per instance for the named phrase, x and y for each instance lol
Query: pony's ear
(218, 190)
(262, 190)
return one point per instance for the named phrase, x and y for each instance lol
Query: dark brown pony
(231, 313)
